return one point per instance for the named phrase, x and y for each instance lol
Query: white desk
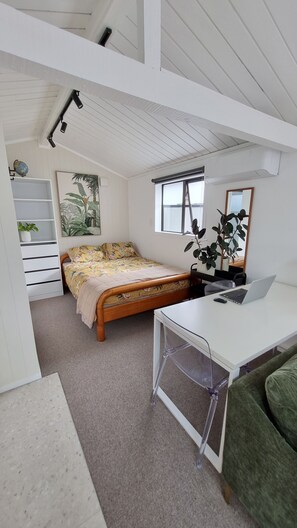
(236, 334)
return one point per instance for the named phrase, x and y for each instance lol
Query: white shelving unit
(33, 204)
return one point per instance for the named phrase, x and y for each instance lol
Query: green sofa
(259, 465)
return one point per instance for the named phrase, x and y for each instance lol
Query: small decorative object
(79, 204)
(25, 231)
(20, 168)
(226, 246)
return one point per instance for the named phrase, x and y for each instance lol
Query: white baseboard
(45, 296)
(20, 382)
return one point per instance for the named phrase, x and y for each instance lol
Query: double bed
(112, 281)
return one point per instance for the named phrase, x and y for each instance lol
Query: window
(178, 201)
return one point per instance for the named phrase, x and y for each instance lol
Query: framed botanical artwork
(79, 204)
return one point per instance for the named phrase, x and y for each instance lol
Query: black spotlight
(106, 34)
(51, 141)
(63, 126)
(77, 100)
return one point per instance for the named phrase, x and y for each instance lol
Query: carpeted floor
(141, 461)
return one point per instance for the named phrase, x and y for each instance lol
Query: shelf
(34, 220)
(26, 179)
(31, 200)
(33, 204)
(31, 189)
(38, 242)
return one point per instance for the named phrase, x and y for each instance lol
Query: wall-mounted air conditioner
(242, 164)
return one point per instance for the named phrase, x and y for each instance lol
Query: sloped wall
(43, 163)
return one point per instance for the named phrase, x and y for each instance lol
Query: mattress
(76, 274)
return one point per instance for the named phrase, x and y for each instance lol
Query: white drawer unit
(33, 204)
(43, 263)
(39, 277)
(40, 250)
(43, 290)
(42, 271)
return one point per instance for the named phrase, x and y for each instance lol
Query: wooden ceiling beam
(149, 32)
(44, 51)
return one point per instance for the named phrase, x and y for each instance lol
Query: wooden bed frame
(111, 313)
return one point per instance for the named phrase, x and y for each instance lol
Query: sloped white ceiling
(72, 15)
(25, 104)
(245, 50)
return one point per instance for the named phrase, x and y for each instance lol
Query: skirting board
(45, 296)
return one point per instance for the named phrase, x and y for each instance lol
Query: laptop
(257, 290)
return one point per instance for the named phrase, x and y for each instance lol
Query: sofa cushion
(281, 393)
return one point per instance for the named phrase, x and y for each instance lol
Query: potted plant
(229, 228)
(25, 231)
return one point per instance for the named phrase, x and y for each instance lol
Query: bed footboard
(111, 313)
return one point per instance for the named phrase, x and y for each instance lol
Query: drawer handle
(43, 282)
(41, 269)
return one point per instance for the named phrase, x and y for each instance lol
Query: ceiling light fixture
(76, 99)
(74, 96)
(63, 126)
(51, 141)
(105, 36)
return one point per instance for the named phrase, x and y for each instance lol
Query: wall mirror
(237, 199)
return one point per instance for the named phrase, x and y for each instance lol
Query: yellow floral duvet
(77, 273)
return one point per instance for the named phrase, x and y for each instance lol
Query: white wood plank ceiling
(245, 50)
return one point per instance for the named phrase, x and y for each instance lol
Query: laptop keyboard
(236, 295)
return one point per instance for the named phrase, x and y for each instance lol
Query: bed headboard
(63, 258)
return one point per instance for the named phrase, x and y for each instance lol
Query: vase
(25, 236)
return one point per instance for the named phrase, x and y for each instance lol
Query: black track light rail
(74, 96)
(60, 119)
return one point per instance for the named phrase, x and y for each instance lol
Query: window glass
(197, 213)
(173, 193)
(172, 219)
(182, 201)
(172, 206)
(196, 190)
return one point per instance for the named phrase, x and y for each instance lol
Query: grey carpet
(141, 461)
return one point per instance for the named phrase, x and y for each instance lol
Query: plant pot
(25, 236)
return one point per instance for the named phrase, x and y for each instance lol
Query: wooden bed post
(100, 323)
(100, 332)
(63, 257)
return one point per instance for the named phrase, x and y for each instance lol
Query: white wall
(272, 242)
(18, 358)
(43, 163)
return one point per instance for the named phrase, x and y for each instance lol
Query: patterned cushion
(86, 254)
(118, 250)
(281, 393)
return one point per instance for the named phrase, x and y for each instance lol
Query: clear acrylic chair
(218, 286)
(199, 367)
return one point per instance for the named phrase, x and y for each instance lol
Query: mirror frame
(249, 217)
